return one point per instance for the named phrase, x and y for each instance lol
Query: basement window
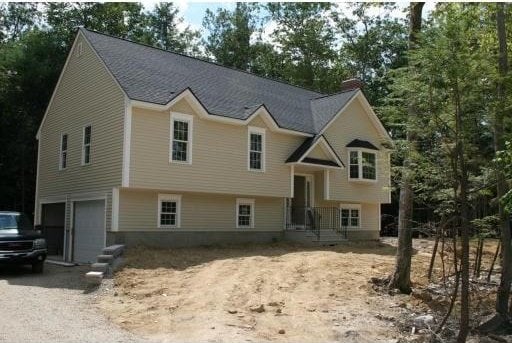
(169, 208)
(244, 213)
(350, 215)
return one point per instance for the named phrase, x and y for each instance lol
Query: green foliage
(306, 39)
(372, 46)
(229, 39)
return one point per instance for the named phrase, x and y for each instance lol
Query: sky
(194, 11)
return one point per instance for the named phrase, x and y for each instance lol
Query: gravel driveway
(53, 307)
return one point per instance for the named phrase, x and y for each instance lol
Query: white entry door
(89, 230)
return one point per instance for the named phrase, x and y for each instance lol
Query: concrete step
(105, 259)
(94, 277)
(114, 250)
(100, 267)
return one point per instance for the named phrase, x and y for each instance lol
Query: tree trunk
(462, 174)
(503, 295)
(401, 278)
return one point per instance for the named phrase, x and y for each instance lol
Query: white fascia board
(326, 147)
(203, 113)
(312, 165)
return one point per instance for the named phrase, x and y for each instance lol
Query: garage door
(89, 230)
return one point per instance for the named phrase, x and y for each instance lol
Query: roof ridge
(202, 60)
(333, 94)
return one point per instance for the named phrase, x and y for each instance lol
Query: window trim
(169, 197)
(190, 120)
(360, 164)
(62, 151)
(83, 146)
(260, 131)
(251, 203)
(351, 207)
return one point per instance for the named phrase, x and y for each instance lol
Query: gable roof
(300, 154)
(158, 76)
(358, 143)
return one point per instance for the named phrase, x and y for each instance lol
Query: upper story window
(350, 215)
(256, 146)
(86, 145)
(363, 165)
(244, 213)
(169, 211)
(63, 156)
(181, 138)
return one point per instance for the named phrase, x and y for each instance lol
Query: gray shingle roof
(157, 76)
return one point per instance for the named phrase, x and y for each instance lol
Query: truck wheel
(38, 267)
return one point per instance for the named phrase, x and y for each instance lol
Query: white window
(169, 211)
(362, 165)
(181, 138)
(244, 213)
(63, 156)
(256, 149)
(86, 145)
(350, 215)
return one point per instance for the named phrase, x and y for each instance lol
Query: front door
(302, 199)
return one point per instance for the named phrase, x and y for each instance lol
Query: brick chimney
(351, 84)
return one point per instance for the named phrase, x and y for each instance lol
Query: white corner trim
(127, 142)
(170, 197)
(327, 186)
(115, 209)
(292, 177)
(245, 201)
(190, 120)
(260, 131)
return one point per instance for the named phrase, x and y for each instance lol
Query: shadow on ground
(183, 258)
(53, 277)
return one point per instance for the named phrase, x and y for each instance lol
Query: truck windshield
(10, 221)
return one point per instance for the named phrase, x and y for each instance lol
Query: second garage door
(89, 230)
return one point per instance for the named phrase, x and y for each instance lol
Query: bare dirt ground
(252, 293)
(262, 293)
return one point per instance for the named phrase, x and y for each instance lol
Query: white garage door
(89, 230)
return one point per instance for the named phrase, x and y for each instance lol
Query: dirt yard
(281, 293)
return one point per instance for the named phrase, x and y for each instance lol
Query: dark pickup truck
(20, 243)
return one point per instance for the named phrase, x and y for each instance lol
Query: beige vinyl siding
(219, 157)
(86, 95)
(138, 210)
(352, 124)
(317, 152)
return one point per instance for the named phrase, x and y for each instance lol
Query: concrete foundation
(183, 239)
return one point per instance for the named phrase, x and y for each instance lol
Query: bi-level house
(144, 146)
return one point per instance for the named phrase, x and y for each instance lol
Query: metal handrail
(315, 219)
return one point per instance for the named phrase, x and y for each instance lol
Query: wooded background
(314, 45)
